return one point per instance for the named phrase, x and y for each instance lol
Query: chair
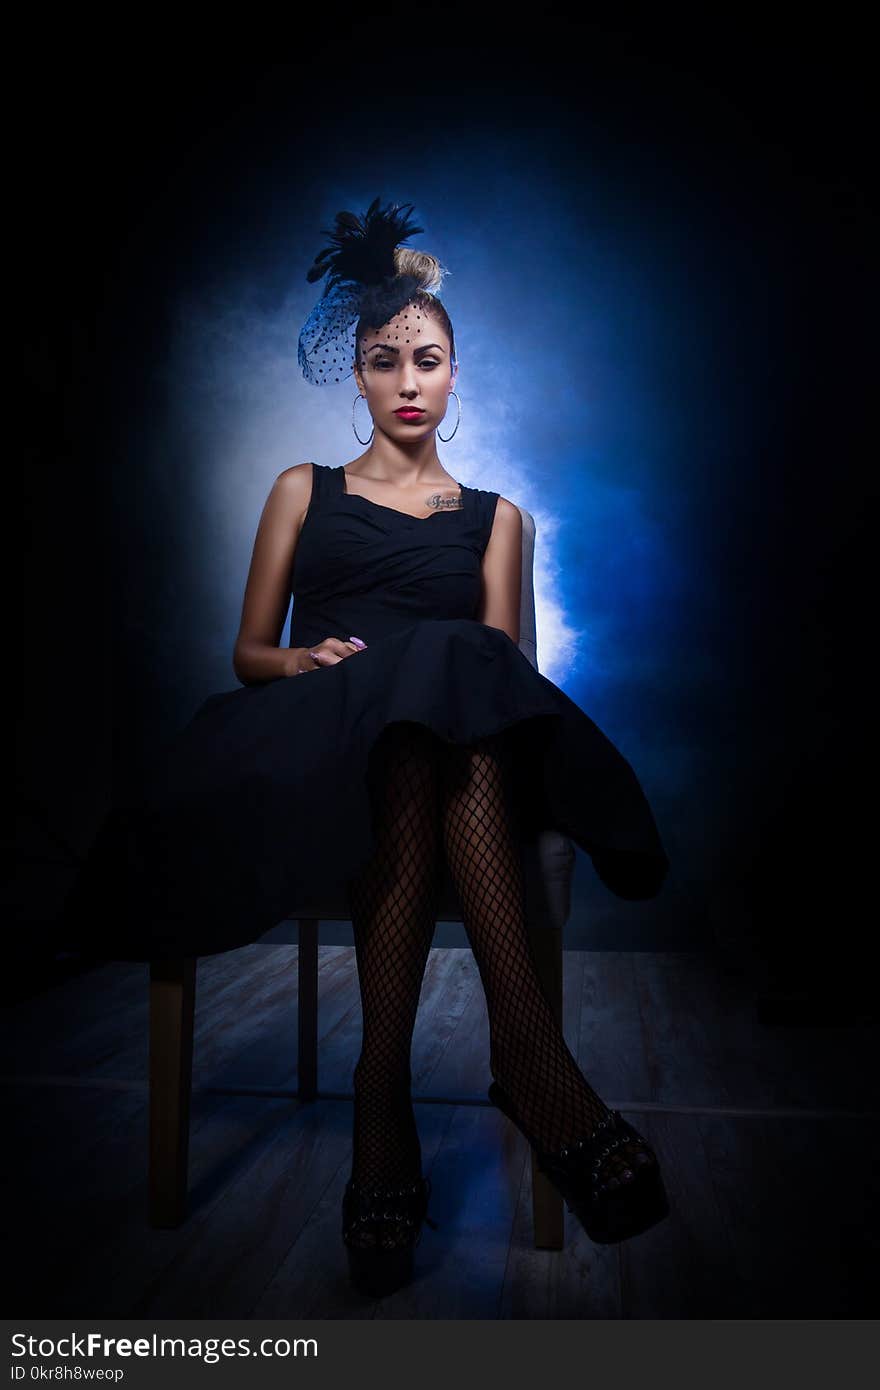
(548, 869)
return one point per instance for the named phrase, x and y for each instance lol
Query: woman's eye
(425, 362)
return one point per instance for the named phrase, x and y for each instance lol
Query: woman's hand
(326, 653)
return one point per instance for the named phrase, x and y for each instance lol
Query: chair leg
(548, 1215)
(307, 1057)
(172, 1008)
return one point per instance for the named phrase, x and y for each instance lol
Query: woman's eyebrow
(386, 347)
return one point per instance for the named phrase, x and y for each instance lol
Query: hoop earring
(357, 398)
(457, 423)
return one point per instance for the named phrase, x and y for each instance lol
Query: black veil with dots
(362, 282)
(327, 341)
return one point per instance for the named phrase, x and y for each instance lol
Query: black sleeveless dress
(263, 797)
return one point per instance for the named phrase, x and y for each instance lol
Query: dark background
(142, 170)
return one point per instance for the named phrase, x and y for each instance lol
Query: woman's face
(406, 363)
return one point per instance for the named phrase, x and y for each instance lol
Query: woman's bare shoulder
(508, 510)
(507, 517)
(298, 477)
(295, 486)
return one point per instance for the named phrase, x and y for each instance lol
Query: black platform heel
(577, 1171)
(381, 1226)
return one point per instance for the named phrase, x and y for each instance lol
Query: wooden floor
(767, 1137)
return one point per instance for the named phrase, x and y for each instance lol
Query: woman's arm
(257, 656)
(502, 571)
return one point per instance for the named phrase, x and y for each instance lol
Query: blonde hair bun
(422, 266)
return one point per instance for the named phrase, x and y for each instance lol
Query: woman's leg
(529, 1055)
(393, 904)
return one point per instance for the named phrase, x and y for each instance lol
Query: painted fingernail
(357, 641)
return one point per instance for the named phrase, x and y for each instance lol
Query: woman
(421, 737)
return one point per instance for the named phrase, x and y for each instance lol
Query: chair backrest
(528, 636)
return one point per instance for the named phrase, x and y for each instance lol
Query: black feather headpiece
(361, 281)
(363, 247)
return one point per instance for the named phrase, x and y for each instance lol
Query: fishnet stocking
(529, 1056)
(393, 904)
